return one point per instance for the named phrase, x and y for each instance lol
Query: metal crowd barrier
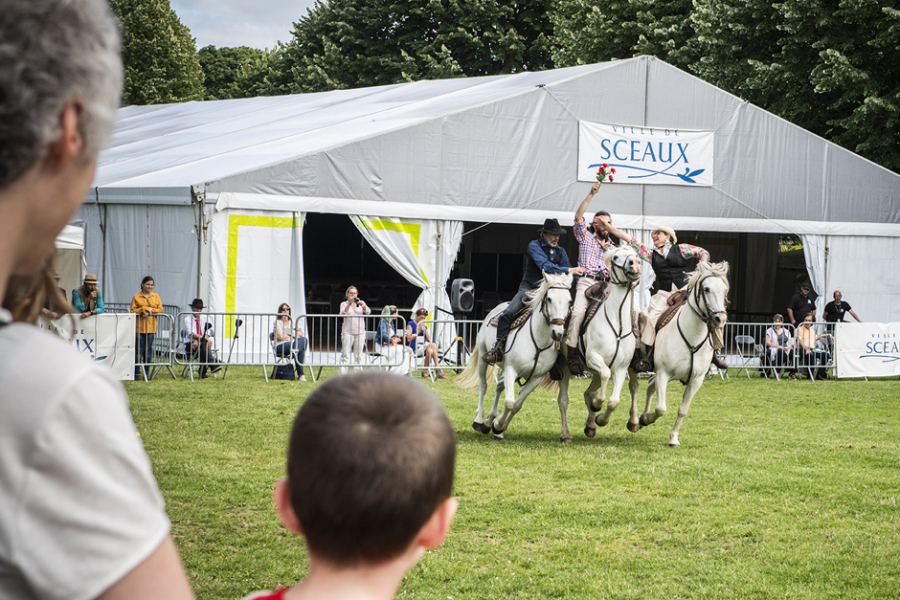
(162, 343)
(746, 349)
(326, 348)
(160, 354)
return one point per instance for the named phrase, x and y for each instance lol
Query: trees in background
(224, 70)
(159, 54)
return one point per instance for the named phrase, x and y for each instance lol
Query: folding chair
(281, 360)
(746, 347)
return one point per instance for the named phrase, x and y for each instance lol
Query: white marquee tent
(210, 197)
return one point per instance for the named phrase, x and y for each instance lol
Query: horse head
(554, 298)
(708, 287)
(623, 265)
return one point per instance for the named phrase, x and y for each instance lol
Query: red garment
(279, 595)
(197, 324)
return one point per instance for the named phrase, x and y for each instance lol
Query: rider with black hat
(542, 256)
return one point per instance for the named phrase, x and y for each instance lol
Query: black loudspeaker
(462, 295)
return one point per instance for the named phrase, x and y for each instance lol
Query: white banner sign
(107, 339)
(646, 154)
(868, 349)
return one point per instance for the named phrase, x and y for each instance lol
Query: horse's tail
(469, 376)
(549, 385)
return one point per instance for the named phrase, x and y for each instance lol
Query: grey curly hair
(53, 52)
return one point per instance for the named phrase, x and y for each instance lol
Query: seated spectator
(386, 334)
(145, 304)
(780, 346)
(87, 299)
(807, 338)
(419, 340)
(198, 334)
(369, 475)
(287, 339)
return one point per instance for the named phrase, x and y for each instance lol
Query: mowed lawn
(780, 490)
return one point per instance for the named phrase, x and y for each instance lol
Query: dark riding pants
(515, 305)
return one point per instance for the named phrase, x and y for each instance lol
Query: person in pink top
(353, 333)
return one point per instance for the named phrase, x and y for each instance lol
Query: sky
(230, 23)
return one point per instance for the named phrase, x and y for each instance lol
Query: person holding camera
(353, 333)
(198, 335)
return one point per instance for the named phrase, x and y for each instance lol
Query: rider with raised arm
(668, 259)
(593, 242)
(542, 256)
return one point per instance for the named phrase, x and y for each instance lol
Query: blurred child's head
(370, 460)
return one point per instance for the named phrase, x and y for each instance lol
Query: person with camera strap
(353, 332)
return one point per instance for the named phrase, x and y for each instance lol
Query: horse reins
(707, 319)
(619, 335)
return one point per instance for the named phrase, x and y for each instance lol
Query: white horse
(530, 352)
(609, 345)
(683, 349)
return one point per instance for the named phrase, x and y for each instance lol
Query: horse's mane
(562, 279)
(607, 258)
(704, 268)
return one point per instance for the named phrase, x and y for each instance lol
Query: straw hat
(668, 231)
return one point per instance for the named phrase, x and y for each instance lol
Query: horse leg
(478, 424)
(509, 377)
(660, 383)
(590, 426)
(562, 400)
(633, 424)
(689, 391)
(618, 380)
(509, 413)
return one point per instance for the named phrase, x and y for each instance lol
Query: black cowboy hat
(197, 303)
(552, 226)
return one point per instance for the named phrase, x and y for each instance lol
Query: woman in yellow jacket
(145, 304)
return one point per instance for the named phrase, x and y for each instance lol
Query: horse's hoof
(674, 445)
(498, 437)
(599, 422)
(633, 427)
(496, 431)
(644, 420)
(481, 427)
(590, 432)
(566, 439)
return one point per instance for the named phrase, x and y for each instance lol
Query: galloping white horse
(609, 345)
(683, 350)
(530, 353)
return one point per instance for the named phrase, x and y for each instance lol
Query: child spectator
(369, 475)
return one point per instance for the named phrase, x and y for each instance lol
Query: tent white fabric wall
(491, 149)
(70, 258)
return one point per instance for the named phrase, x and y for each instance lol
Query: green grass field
(780, 490)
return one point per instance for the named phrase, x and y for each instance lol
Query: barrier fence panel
(164, 341)
(746, 349)
(224, 339)
(153, 345)
(373, 348)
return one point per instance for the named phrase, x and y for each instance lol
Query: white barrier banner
(868, 349)
(107, 339)
(649, 155)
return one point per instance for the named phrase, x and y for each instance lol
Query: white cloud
(228, 23)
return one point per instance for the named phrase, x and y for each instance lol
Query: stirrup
(495, 354)
(643, 364)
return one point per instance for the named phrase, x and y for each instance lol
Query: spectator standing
(835, 310)
(145, 304)
(87, 299)
(81, 515)
(801, 305)
(353, 332)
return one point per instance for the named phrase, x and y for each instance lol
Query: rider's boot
(643, 361)
(495, 354)
(719, 361)
(574, 363)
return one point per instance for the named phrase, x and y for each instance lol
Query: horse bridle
(544, 303)
(698, 293)
(549, 321)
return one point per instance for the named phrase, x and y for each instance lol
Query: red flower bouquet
(605, 173)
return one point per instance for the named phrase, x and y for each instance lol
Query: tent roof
(500, 148)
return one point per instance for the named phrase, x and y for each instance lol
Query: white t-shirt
(79, 506)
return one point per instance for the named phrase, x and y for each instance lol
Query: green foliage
(356, 43)
(780, 489)
(223, 69)
(159, 53)
(588, 31)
